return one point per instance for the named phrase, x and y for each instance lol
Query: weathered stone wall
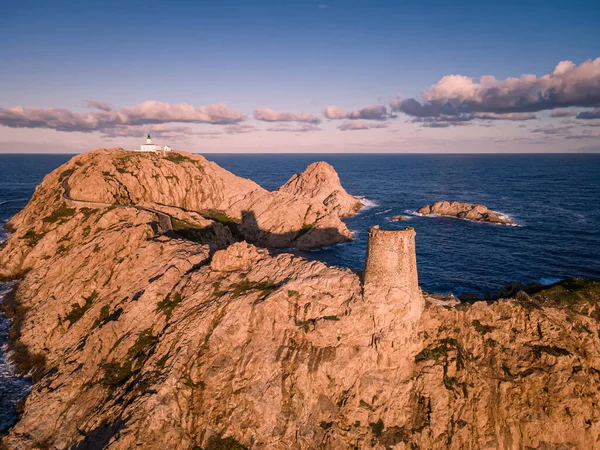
(391, 262)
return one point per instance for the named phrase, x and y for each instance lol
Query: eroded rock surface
(321, 182)
(469, 211)
(141, 338)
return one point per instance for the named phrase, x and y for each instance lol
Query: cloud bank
(106, 118)
(268, 115)
(593, 114)
(371, 112)
(302, 128)
(355, 125)
(568, 85)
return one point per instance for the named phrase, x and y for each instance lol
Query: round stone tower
(391, 266)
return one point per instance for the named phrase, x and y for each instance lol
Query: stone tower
(391, 260)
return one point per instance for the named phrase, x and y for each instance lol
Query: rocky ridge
(468, 211)
(140, 337)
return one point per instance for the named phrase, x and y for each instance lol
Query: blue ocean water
(554, 199)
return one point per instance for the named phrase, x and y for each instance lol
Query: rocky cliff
(321, 182)
(197, 198)
(140, 337)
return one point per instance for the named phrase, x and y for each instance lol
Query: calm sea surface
(554, 199)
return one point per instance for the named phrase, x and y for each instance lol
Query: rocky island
(151, 313)
(468, 211)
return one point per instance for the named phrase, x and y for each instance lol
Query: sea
(554, 200)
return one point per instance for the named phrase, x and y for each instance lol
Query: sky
(299, 76)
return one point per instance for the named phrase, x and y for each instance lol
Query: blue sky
(289, 56)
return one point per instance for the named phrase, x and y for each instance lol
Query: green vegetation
(481, 328)
(265, 288)
(104, 314)
(145, 339)
(177, 158)
(78, 311)
(61, 214)
(326, 425)
(440, 355)
(377, 427)
(550, 350)
(220, 217)
(439, 352)
(218, 443)
(293, 293)
(168, 304)
(65, 174)
(162, 362)
(116, 374)
(331, 318)
(32, 237)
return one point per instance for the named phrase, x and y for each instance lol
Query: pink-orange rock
(469, 211)
(321, 182)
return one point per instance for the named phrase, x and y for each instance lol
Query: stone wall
(391, 262)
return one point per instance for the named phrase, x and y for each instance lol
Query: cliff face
(201, 199)
(321, 182)
(140, 337)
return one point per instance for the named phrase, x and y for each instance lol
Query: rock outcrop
(196, 197)
(469, 211)
(321, 182)
(139, 337)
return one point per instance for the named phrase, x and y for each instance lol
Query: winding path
(165, 220)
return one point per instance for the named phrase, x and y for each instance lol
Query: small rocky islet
(468, 211)
(152, 313)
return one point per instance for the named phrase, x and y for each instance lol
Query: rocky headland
(148, 320)
(468, 211)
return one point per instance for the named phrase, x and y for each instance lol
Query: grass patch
(177, 158)
(218, 443)
(32, 237)
(293, 293)
(549, 350)
(245, 286)
(220, 217)
(168, 304)
(116, 374)
(60, 214)
(66, 173)
(435, 353)
(78, 311)
(377, 427)
(481, 328)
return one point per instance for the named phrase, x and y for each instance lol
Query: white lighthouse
(150, 147)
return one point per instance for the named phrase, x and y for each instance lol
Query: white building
(150, 147)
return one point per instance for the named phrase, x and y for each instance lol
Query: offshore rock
(321, 182)
(469, 211)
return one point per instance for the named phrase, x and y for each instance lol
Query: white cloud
(354, 125)
(301, 128)
(568, 85)
(146, 113)
(269, 115)
(371, 112)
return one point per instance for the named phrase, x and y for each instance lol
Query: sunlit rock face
(320, 182)
(142, 335)
(468, 211)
